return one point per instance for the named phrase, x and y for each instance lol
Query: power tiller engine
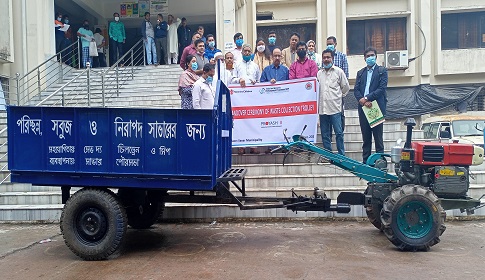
(441, 167)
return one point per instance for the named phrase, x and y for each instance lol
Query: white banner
(261, 112)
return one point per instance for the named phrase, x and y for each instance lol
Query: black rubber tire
(374, 213)
(144, 216)
(93, 223)
(397, 201)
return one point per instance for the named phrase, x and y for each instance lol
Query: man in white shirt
(333, 87)
(237, 51)
(203, 93)
(246, 71)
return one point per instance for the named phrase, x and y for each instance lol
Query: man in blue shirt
(211, 47)
(275, 72)
(161, 30)
(370, 85)
(86, 37)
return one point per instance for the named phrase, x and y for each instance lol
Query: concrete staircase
(157, 87)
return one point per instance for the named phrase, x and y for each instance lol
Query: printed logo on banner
(270, 90)
(308, 86)
(266, 124)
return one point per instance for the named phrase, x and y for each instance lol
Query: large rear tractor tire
(412, 218)
(93, 223)
(374, 213)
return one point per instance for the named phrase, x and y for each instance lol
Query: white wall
(288, 10)
(432, 66)
(6, 35)
(360, 8)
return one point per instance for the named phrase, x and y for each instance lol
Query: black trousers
(367, 133)
(116, 51)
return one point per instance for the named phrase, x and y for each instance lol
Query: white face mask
(117, 18)
(261, 48)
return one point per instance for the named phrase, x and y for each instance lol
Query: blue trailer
(143, 153)
(147, 154)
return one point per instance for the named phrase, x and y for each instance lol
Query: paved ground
(261, 250)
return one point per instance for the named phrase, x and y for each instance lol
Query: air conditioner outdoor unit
(397, 59)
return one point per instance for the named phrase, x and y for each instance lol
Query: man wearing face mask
(237, 52)
(86, 37)
(211, 47)
(333, 87)
(370, 85)
(189, 50)
(303, 67)
(246, 71)
(340, 59)
(271, 41)
(117, 37)
(67, 54)
(204, 93)
(59, 33)
(200, 55)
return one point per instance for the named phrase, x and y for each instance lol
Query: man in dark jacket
(370, 85)
(184, 34)
(161, 39)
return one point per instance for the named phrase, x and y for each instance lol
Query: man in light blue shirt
(370, 71)
(275, 72)
(86, 37)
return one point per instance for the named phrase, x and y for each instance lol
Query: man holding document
(370, 92)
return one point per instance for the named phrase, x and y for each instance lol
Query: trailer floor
(247, 250)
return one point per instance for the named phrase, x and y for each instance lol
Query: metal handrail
(110, 84)
(31, 83)
(124, 56)
(50, 59)
(61, 88)
(104, 80)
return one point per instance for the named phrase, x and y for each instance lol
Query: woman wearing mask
(187, 80)
(262, 57)
(313, 54)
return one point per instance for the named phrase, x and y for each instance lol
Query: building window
(382, 34)
(463, 31)
(307, 32)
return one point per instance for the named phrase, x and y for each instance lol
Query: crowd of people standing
(267, 62)
(173, 42)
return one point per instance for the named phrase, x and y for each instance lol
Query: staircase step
(44, 212)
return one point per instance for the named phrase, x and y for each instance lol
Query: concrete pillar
(34, 39)
(225, 23)
(426, 19)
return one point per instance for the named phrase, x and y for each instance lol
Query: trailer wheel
(374, 213)
(93, 223)
(144, 216)
(412, 218)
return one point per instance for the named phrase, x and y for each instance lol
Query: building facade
(444, 39)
